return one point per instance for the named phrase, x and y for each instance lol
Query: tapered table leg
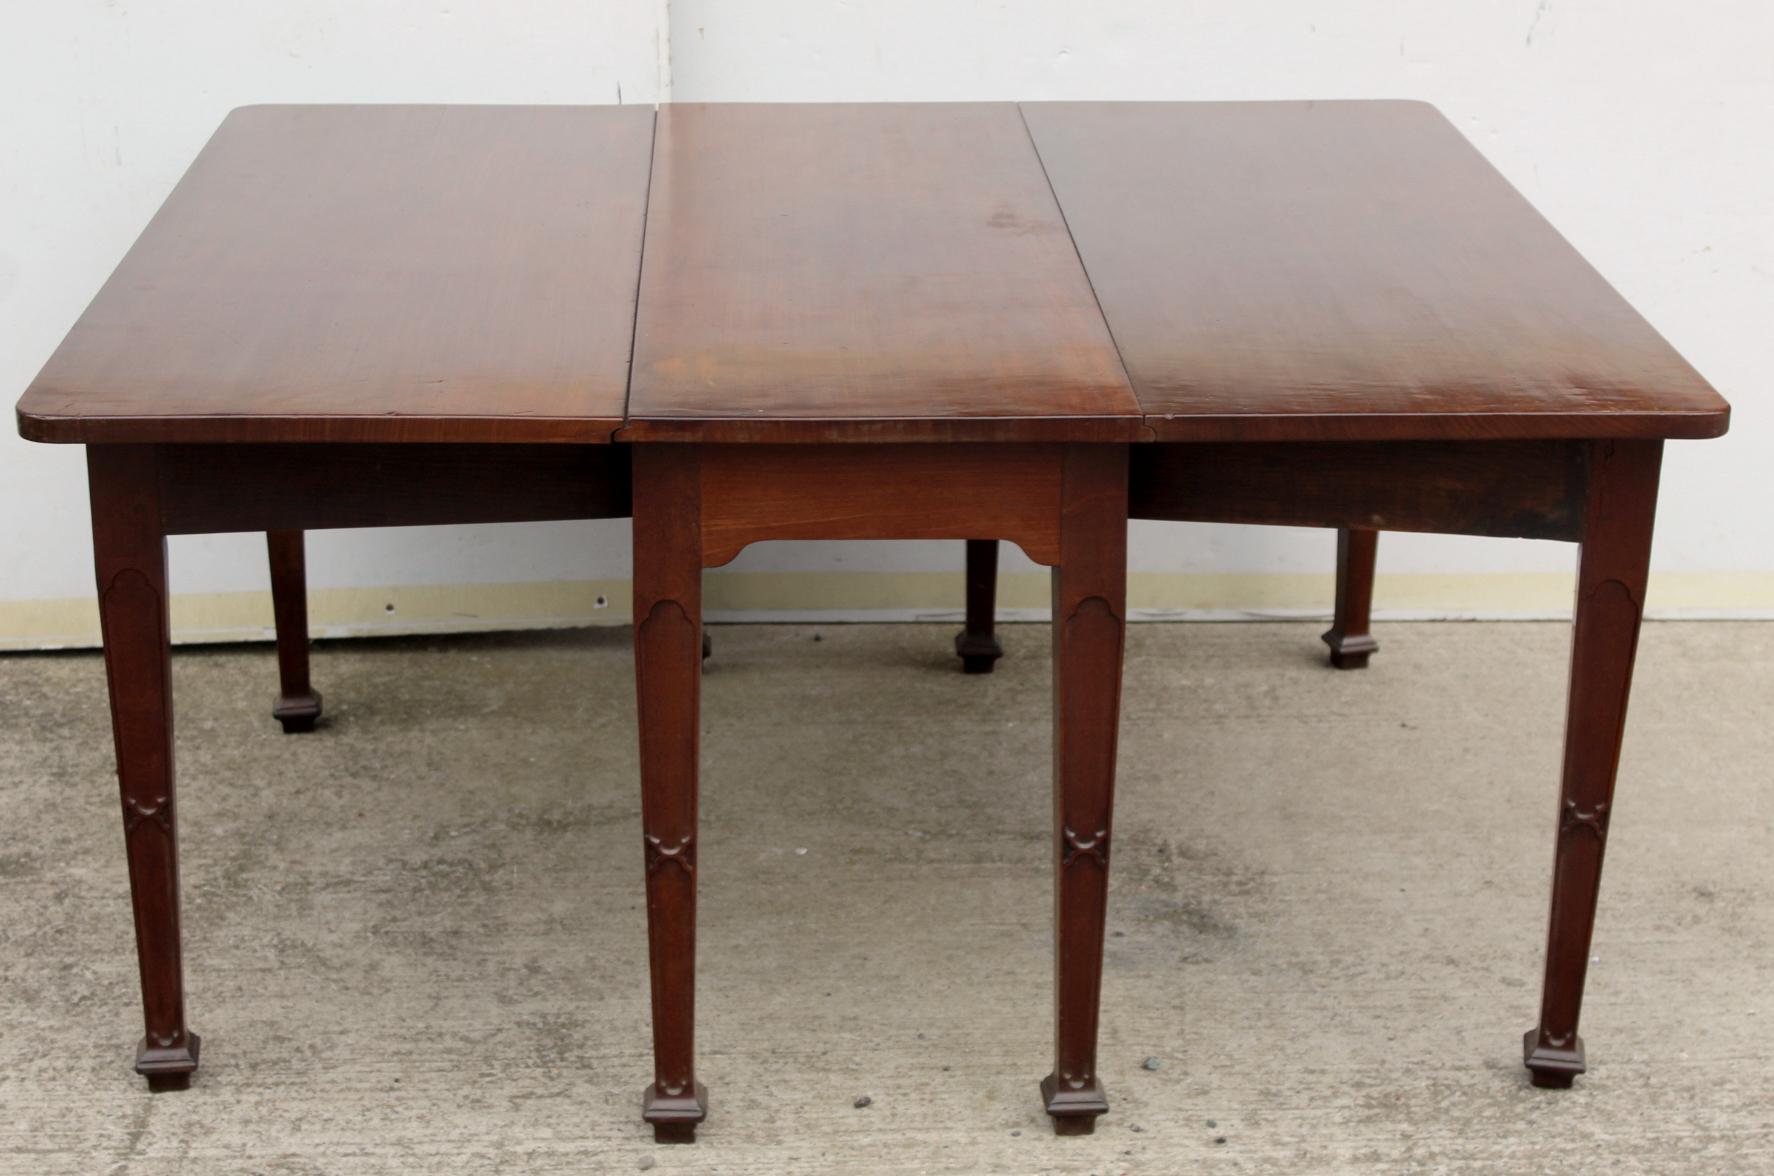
(1611, 575)
(129, 548)
(668, 669)
(978, 642)
(297, 705)
(1348, 637)
(1089, 610)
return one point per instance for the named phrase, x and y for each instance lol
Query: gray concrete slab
(415, 938)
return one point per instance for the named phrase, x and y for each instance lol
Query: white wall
(1641, 129)
(102, 107)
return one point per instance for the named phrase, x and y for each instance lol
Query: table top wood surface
(1346, 271)
(915, 272)
(372, 273)
(816, 272)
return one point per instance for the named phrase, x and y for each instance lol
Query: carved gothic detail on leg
(1095, 848)
(1611, 579)
(681, 854)
(668, 676)
(129, 548)
(1595, 819)
(1089, 609)
(158, 810)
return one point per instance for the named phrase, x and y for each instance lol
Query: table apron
(1520, 489)
(1007, 491)
(307, 487)
(1514, 489)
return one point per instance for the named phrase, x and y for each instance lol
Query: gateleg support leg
(1351, 644)
(297, 705)
(1611, 575)
(1089, 615)
(668, 676)
(977, 644)
(129, 549)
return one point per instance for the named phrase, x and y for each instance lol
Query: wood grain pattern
(1065, 504)
(668, 684)
(1514, 489)
(298, 703)
(129, 551)
(753, 493)
(1346, 271)
(371, 273)
(977, 643)
(864, 272)
(1351, 643)
(1611, 574)
(1089, 623)
(1336, 314)
(206, 489)
(1284, 271)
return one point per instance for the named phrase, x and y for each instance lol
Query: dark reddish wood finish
(1613, 485)
(977, 643)
(1335, 313)
(1516, 489)
(941, 491)
(212, 488)
(141, 493)
(297, 705)
(1089, 615)
(668, 546)
(129, 549)
(1343, 271)
(372, 273)
(1350, 642)
(1611, 574)
(699, 505)
(879, 272)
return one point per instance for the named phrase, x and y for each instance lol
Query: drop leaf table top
(976, 321)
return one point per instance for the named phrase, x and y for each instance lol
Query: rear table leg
(978, 643)
(298, 704)
(1348, 638)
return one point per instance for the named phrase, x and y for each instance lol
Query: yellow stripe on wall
(841, 596)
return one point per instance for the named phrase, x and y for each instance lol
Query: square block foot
(1350, 653)
(297, 713)
(674, 1116)
(168, 1067)
(978, 652)
(1074, 1111)
(1552, 1068)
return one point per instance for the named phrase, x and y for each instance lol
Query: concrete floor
(415, 940)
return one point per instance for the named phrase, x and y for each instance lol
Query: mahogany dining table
(976, 321)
